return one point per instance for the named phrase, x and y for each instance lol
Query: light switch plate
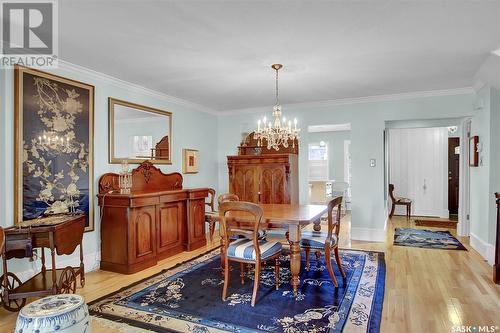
(373, 162)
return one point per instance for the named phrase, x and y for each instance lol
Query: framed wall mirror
(138, 133)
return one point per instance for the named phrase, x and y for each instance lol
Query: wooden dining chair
(249, 249)
(210, 218)
(399, 201)
(320, 241)
(227, 197)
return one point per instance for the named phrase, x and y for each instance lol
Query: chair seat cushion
(243, 249)
(316, 240)
(403, 200)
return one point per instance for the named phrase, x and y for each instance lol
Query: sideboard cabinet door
(171, 217)
(142, 240)
(196, 224)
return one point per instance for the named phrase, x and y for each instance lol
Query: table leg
(294, 239)
(43, 260)
(53, 255)
(222, 253)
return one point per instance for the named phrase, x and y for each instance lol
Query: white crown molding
(478, 85)
(68, 66)
(355, 100)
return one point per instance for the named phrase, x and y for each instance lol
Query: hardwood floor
(427, 290)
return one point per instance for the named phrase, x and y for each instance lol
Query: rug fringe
(122, 327)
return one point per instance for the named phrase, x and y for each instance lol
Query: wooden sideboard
(156, 220)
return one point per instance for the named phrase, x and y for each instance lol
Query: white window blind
(318, 162)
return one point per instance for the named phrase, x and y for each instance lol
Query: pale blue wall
(481, 198)
(367, 126)
(191, 129)
(495, 160)
(335, 141)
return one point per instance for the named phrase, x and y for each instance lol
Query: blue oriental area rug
(427, 239)
(187, 298)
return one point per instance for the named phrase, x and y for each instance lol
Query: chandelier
(279, 132)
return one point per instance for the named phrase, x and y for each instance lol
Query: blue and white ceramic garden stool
(66, 313)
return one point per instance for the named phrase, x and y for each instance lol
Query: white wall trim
(368, 234)
(486, 250)
(65, 65)
(91, 262)
(356, 100)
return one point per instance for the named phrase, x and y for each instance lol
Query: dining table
(292, 218)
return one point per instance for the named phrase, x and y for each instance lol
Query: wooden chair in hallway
(398, 201)
(320, 241)
(249, 249)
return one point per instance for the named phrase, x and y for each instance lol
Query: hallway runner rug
(187, 298)
(437, 223)
(427, 239)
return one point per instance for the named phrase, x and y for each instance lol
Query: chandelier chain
(277, 93)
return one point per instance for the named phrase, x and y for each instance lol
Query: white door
(418, 162)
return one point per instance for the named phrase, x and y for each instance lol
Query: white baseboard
(90, 260)
(368, 234)
(486, 250)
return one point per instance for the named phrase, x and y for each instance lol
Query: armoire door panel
(245, 184)
(272, 185)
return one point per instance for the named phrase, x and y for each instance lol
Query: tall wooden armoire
(262, 175)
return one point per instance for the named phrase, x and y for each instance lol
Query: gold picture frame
(190, 161)
(53, 145)
(162, 151)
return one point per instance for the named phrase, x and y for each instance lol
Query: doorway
(418, 159)
(453, 176)
(329, 163)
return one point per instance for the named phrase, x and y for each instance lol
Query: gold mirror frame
(111, 139)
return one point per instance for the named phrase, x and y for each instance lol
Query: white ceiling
(217, 53)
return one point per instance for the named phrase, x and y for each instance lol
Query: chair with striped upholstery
(228, 197)
(246, 221)
(325, 241)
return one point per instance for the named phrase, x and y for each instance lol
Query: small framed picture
(474, 151)
(190, 161)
